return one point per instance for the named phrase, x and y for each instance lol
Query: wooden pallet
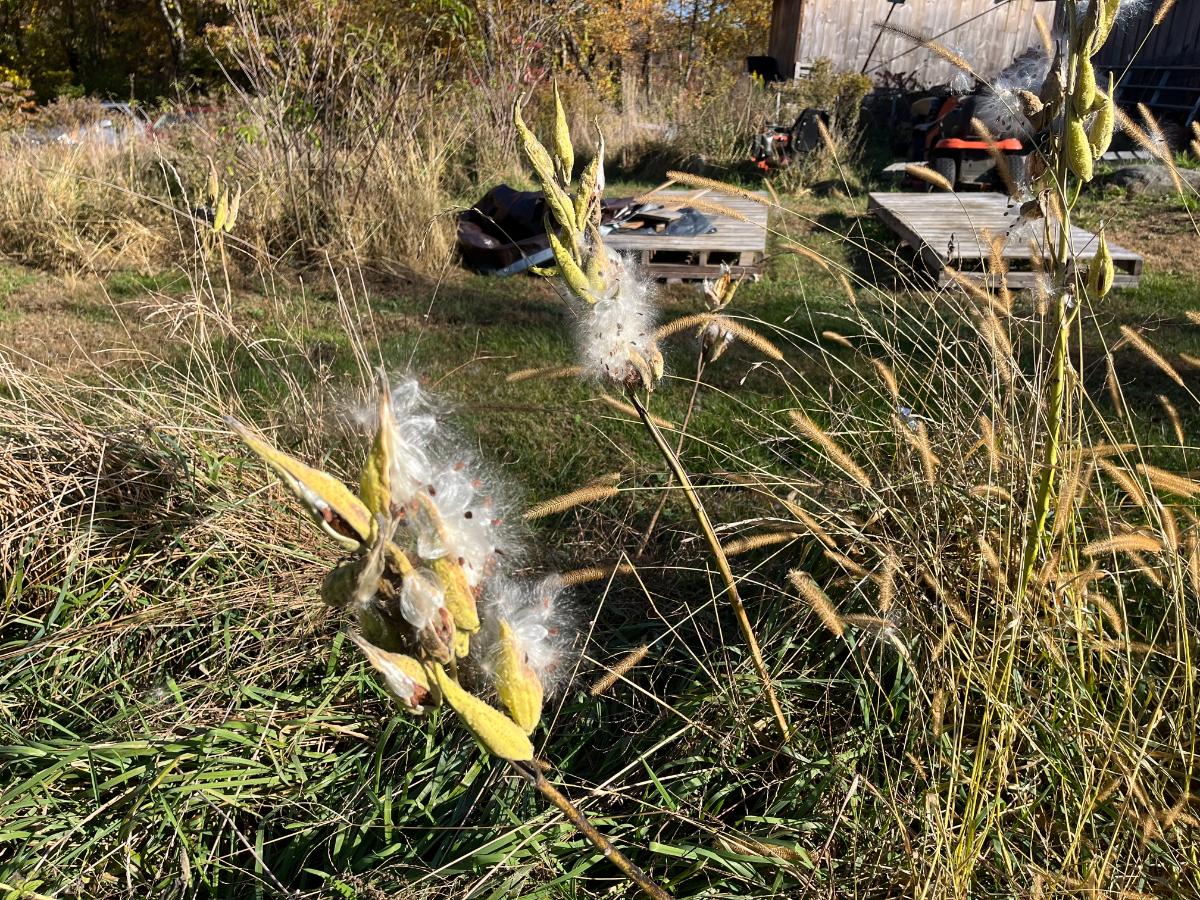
(956, 230)
(739, 245)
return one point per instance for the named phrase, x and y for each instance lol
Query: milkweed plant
(428, 588)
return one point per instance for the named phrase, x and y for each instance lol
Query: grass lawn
(216, 722)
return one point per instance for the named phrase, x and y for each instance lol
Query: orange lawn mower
(944, 139)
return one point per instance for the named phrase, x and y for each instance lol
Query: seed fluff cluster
(429, 584)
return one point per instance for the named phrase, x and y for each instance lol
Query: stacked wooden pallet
(738, 243)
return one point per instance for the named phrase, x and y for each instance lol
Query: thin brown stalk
(714, 545)
(533, 774)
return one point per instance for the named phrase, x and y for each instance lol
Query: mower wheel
(947, 167)
(1018, 168)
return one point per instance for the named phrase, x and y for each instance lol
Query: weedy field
(858, 586)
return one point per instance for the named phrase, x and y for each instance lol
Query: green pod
(543, 166)
(1084, 93)
(1079, 150)
(518, 686)
(563, 151)
(498, 734)
(571, 273)
(1101, 272)
(1100, 134)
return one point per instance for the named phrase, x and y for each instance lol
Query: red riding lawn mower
(944, 139)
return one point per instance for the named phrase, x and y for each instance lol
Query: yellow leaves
(338, 512)
(517, 684)
(498, 734)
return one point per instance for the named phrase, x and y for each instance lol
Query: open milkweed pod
(564, 153)
(375, 484)
(518, 686)
(1101, 272)
(460, 599)
(404, 677)
(334, 508)
(498, 734)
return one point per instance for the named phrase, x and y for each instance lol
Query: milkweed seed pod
(1052, 90)
(1084, 93)
(426, 541)
(404, 677)
(337, 511)
(519, 688)
(1100, 134)
(616, 330)
(1079, 150)
(714, 340)
(498, 734)
(1101, 272)
(564, 153)
(1107, 19)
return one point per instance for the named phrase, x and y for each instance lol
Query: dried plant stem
(714, 544)
(1056, 405)
(632, 871)
(687, 418)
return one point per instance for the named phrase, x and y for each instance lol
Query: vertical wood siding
(986, 33)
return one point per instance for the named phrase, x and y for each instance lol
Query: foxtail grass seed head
(929, 176)
(591, 494)
(622, 668)
(810, 592)
(836, 454)
(1147, 350)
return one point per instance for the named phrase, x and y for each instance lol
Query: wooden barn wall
(1175, 42)
(988, 34)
